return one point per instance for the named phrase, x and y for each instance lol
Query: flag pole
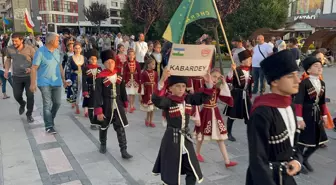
(226, 40)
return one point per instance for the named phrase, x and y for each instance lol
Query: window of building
(114, 21)
(113, 13)
(122, 5)
(114, 4)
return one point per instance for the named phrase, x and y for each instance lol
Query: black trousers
(229, 124)
(121, 134)
(186, 169)
(20, 84)
(310, 150)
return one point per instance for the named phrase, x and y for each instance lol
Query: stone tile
(103, 173)
(77, 182)
(90, 157)
(41, 136)
(56, 161)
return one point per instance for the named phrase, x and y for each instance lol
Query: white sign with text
(190, 60)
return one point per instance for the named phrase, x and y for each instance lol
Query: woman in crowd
(73, 74)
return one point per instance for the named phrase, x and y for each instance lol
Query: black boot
(308, 166)
(306, 155)
(190, 179)
(102, 139)
(229, 129)
(121, 135)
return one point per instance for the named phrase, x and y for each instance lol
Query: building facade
(114, 7)
(312, 9)
(6, 8)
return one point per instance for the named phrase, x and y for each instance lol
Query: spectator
(261, 51)
(131, 42)
(141, 49)
(294, 48)
(3, 81)
(237, 42)
(118, 40)
(20, 56)
(48, 72)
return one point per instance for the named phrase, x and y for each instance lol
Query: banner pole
(226, 40)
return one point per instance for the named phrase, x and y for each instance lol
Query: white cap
(132, 37)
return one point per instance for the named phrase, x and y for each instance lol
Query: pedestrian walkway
(29, 156)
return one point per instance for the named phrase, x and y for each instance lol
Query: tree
(143, 13)
(96, 13)
(225, 7)
(254, 14)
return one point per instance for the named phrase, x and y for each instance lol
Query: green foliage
(129, 25)
(96, 13)
(254, 14)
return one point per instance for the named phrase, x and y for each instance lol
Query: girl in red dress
(149, 80)
(212, 126)
(121, 59)
(195, 84)
(132, 74)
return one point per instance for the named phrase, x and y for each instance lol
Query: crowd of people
(132, 69)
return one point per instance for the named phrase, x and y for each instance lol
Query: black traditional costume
(272, 131)
(110, 99)
(177, 155)
(90, 73)
(241, 93)
(311, 107)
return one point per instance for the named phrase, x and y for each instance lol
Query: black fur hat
(243, 55)
(309, 61)
(177, 79)
(91, 53)
(107, 54)
(278, 65)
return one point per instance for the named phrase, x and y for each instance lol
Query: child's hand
(207, 78)
(233, 66)
(165, 74)
(223, 79)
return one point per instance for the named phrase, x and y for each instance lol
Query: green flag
(187, 12)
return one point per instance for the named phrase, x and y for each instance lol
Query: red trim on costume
(92, 66)
(177, 99)
(85, 93)
(106, 73)
(208, 91)
(126, 104)
(227, 99)
(272, 100)
(298, 110)
(98, 111)
(324, 110)
(245, 68)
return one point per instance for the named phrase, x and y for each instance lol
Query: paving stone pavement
(29, 156)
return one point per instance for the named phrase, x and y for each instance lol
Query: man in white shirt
(118, 40)
(261, 51)
(238, 47)
(141, 49)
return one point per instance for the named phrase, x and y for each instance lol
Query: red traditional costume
(120, 63)
(132, 75)
(212, 125)
(195, 83)
(149, 79)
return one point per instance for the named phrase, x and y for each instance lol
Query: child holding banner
(212, 126)
(149, 79)
(132, 74)
(241, 92)
(177, 155)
